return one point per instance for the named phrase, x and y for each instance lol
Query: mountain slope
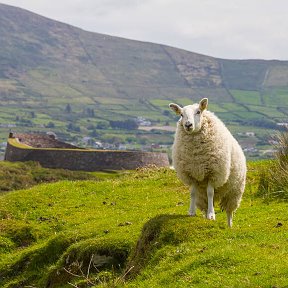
(89, 63)
(47, 66)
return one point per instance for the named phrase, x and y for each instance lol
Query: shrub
(274, 181)
(282, 149)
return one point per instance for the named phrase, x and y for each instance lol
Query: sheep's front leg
(192, 209)
(210, 196)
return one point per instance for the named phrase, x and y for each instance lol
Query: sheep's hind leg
(210, 196)
(229, 218)
(192, 209)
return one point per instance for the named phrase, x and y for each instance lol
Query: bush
(127, 124)
(50, 125)
(102, 125)
(282, 149)
(274, 181)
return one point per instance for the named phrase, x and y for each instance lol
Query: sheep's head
(191, 115)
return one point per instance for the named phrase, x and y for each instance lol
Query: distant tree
(166, 113)
(94, 133)
(131, 139)
(127, 124)
(102, 125)
(90, 127)
(90, 112)
(73, 127)
(142, 141)
(113, 139)
(33, 114)
(50, 125)
(68, 108)
(25, 122)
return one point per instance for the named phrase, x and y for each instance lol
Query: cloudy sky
(234, 29)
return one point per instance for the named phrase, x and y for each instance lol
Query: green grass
(216, 108)
(162, 103)
(20, 175)
(246, 97)
(276, 97)
(228, 117)
(208, 255)
(249, 115)
(234, 128)
(270, 112)
(134, 232)
(233, 107)
(113, 101)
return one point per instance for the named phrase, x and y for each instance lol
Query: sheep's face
(191, 115)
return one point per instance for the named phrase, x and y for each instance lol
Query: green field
(133, 232)
(276, 97)
(246, 97)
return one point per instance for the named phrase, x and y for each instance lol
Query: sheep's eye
(198, 112)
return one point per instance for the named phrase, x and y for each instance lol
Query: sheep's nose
(188, 124)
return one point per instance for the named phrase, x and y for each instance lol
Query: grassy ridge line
(91, 229)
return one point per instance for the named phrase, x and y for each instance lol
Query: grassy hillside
(47, 66)
(21, 175)
(134, 232)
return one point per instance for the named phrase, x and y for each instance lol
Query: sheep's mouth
(189, 130)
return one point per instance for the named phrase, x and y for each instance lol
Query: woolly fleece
(210, 155)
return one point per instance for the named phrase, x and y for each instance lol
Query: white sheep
(208, 159)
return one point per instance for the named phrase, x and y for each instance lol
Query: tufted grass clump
(274, 180)
(21, 175)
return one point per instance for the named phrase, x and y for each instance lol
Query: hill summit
(41, 54)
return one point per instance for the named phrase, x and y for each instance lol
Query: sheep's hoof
(211, 216)
(191, 214)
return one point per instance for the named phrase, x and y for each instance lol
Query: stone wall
(82, 159)
(41, 141)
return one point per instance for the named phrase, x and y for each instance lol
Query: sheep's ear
(176, 108)
(203, 104)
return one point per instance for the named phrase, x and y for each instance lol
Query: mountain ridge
(68, 43)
